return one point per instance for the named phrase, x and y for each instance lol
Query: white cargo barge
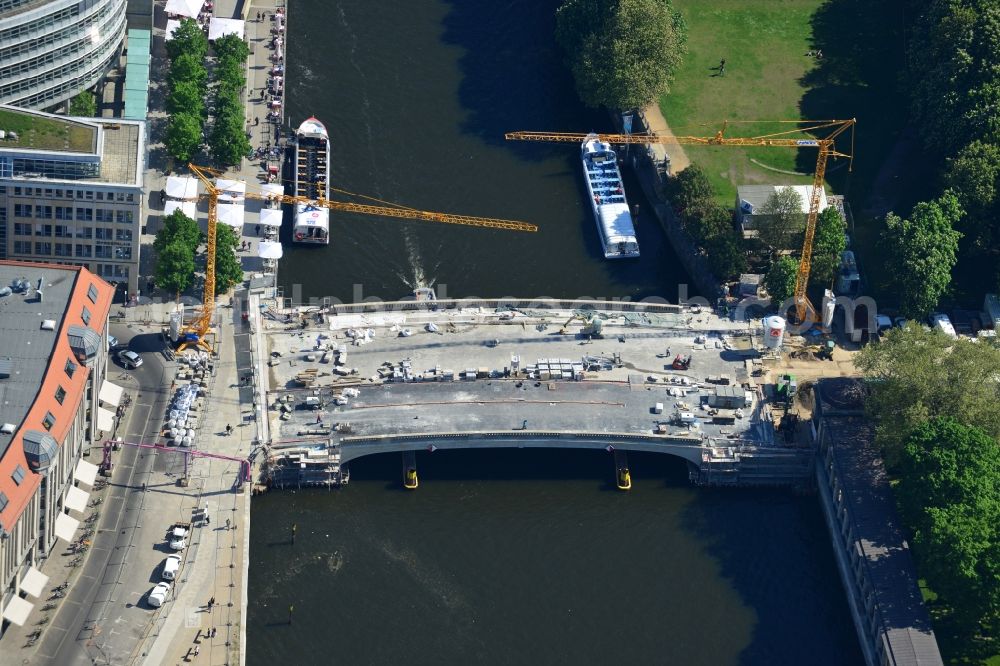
(607, 199)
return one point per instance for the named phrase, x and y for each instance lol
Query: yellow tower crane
(199, 329)
(827, 149)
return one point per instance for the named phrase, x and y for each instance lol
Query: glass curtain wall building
(51, 50)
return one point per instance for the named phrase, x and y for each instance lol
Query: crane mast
(826, 146)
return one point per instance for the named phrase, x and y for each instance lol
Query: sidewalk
(216, 568)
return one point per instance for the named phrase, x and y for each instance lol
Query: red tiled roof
(55, 376)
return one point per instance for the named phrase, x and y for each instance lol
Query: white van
(171, 567)
(942, 323)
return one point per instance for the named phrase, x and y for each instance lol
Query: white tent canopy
(34, 582)
(17, 610)
(189, 8)
(186, 207)
(230, 190)
(269, 250)
(111, 394)
(66, 526)
(220, 27)
(182, 187)
(230, 214)
(270, 217)
(86, 472)
(105, 420)
(76, 499)
(272, 188)
(172, 25)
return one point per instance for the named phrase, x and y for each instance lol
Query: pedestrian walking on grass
(722, 67)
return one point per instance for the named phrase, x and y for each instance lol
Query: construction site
(343, 384)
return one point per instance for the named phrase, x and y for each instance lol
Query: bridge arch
(688, 448)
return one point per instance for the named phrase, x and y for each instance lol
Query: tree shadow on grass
(513, 74)
(861, 76)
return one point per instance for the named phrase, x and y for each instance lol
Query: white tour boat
(607, 199)
(312, 181)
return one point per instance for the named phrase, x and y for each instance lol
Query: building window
(43, 212)
(124, 216)
(85, 232)
(48, 421)
(85, 214)
(22, 228)
(104, 215)
(85, 315)
(18, 475)
(22, 210)
(130, 197)
(60, 394)
(64, 213)
(3, 501)
(89, 194)
(124, 235)
(22, 247)
(70, 368)
(64, 249)
(103, 233)
(103, 251)
(43, 229)
(43, 248)
(100, 196)
(83, 250)
(92, 294)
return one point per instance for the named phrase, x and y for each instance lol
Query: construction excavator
(197, 332)
(593, 326)
(801, 136)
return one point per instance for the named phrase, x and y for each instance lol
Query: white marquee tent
(187, 207)
(269, 250)
(189, 8)
(182, 187)
(230, 214)
(270, 217)
(220, 27)
(230, 190)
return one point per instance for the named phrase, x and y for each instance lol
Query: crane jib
(807, 142)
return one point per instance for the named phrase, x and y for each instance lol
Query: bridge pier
(410, 480)
(623, 477)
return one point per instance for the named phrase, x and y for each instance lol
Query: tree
(187, 67)
(174, 267)
(622, 53)
(228, 270)
(232, 48)
(183, 135)
(780, 279)
(973, 176)
(84, 104)
(949, 494)
(178, 228)
(915, 375)
(188, 38)
(829, 243)
(780, 220)
(228, 141)
(954, 60)
(186, 97)
(689, 189)
(921, 252)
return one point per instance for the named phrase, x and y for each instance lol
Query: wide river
(512, 556)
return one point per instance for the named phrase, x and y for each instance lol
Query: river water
(507, 556)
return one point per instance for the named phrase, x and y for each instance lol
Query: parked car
(158, 595)
(171, 567)
(942, 323)
(112, 342)
(129, 358)
(177, 536)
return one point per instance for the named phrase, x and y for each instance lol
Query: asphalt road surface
(102, 617)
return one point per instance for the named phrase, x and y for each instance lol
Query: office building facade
(51, 50)
(71, 192)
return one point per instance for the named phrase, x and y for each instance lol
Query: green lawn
(764, 43)
(45, 133)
